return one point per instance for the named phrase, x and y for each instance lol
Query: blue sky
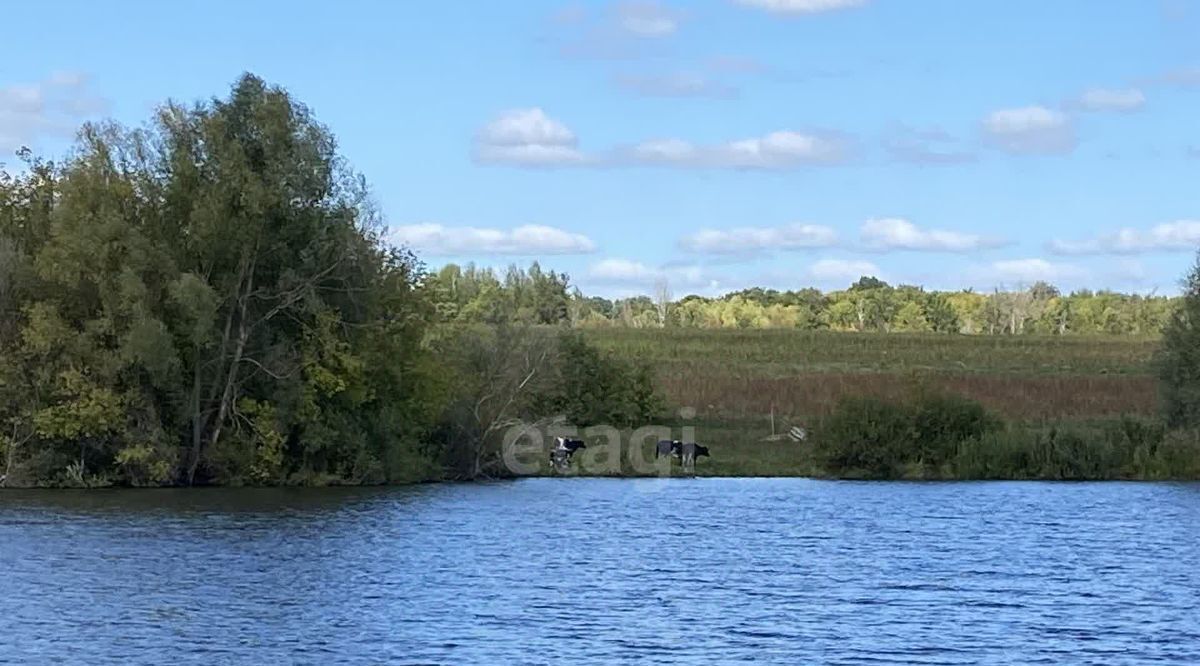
(715, 144)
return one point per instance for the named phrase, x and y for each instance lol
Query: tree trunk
(223, 407)
(8, 457)
(197, 420)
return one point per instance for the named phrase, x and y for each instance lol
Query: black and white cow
(668, 447)
(564, 448)
(687, 452)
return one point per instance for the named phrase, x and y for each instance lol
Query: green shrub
(941, 423)
(866, 437)
(1178, 457)
(591, 387)
(1003, 454)
(1070, 454)
(876, 438)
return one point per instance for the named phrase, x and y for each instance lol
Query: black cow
(689, 451)
(668, 447)
(564, 448)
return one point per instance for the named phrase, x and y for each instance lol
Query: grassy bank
(1059, 407)
(742, 376)
(1121, 449)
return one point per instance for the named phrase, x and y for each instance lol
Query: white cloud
(1025, 271)
(1109, 99)
(51, 107)
(801, 6)
(527, 137)
(530, 239)
(745, 240)
(531, 138)
(645, 18)
(900, 234)
(1181, 235)
(1030, 130)
(678, 84)
(777, 150)
(925, 146)
(839, 270)
(616, 271)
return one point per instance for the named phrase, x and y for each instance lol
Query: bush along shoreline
(940, 437)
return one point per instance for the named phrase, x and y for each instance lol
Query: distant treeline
(482, 295)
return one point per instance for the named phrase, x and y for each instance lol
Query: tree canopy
(216, 280)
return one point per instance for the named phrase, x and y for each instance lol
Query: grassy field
(736, 380)
(802, 374)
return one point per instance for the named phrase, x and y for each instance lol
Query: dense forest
(211, 299)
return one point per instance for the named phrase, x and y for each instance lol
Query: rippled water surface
(702, 571)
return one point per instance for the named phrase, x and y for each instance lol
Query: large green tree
(208, 299)
(1179, 363)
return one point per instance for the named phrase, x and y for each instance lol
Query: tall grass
(802, 375)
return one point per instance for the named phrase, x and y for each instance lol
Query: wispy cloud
(646, 18)
(678, 84)
(900, 234)
(749, 240)
(778, 150)
(630, 273)
(733, 64)
(1015, 272)
(1129, 272)
(1030, 130)
(801, 7)
(926, 146)
(1181, 235)
(1122, 100)
(617, 30)
(51, 107)
(1184, 77)
(527, 137)
(1174, 11)
(828, 271)
(529, 240)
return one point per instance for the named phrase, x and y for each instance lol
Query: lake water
(594, 571)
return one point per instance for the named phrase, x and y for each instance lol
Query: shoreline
(629, 477)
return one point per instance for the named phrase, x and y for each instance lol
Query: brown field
(807, 395)
(739, 375)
